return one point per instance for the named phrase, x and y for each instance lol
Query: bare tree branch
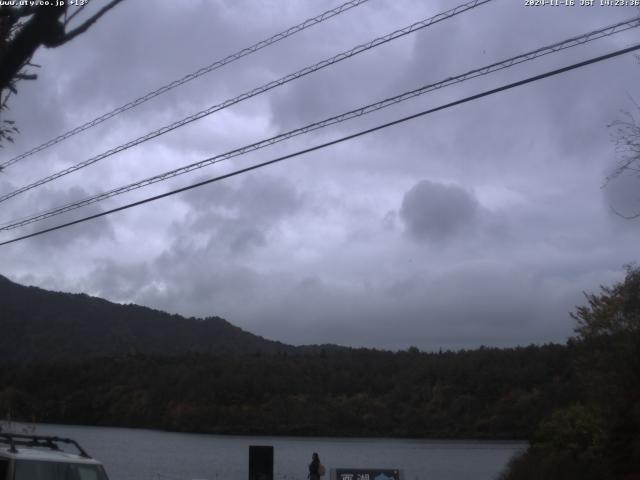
(22, 31)
(626, 217)
(40, 29)
(626, 136)
(26, 76)
(90, 21)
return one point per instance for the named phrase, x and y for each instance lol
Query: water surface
(130, 454)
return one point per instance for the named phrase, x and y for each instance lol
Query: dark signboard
(260, 462)
(366, 474)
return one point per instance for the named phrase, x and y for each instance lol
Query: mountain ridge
(42, 325)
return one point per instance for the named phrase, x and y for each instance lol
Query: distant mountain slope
(40, 325)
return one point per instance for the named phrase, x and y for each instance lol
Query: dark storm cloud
(240, 216)
(112, 280)
(186, 279)
(139, 55)
(324, 94)
(622, 195)
(493, 306)
(99, 229)
(200, 281)
(263, 196)
(437, 212)
(45, 198)
(79, 81)
(566, 110)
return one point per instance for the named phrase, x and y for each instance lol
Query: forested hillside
(485, 393)
(40, 325)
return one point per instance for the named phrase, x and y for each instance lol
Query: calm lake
(130, 454)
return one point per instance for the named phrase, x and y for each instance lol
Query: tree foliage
(614, 312)
(608, 333)
(576, 430)
(485, 393)
(602, 433)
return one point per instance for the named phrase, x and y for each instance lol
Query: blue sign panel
(366, 474)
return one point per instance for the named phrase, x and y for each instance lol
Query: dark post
(260, 462)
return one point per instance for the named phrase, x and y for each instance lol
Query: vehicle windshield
(30, 470)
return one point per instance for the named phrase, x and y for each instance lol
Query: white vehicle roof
(40, 455)
(14, 446)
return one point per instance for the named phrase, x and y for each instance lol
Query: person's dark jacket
(314, 470)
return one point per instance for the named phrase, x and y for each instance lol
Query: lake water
(130, 454)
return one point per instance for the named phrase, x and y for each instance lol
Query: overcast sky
(478, 225)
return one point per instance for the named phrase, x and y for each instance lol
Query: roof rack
(19, 439)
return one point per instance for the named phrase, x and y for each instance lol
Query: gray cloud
(99, 230)
(622, 195)
(437, 212)
(241, 217)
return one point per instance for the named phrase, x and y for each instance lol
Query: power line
(574, 41)
(310, 22)
(252, 93)
(571, 42)
(334, 142)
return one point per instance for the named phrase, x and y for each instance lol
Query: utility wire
(334, 142)
(310, 22)
(571, 42)
(252, 93)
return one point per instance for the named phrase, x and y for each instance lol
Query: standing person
(315, 467)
